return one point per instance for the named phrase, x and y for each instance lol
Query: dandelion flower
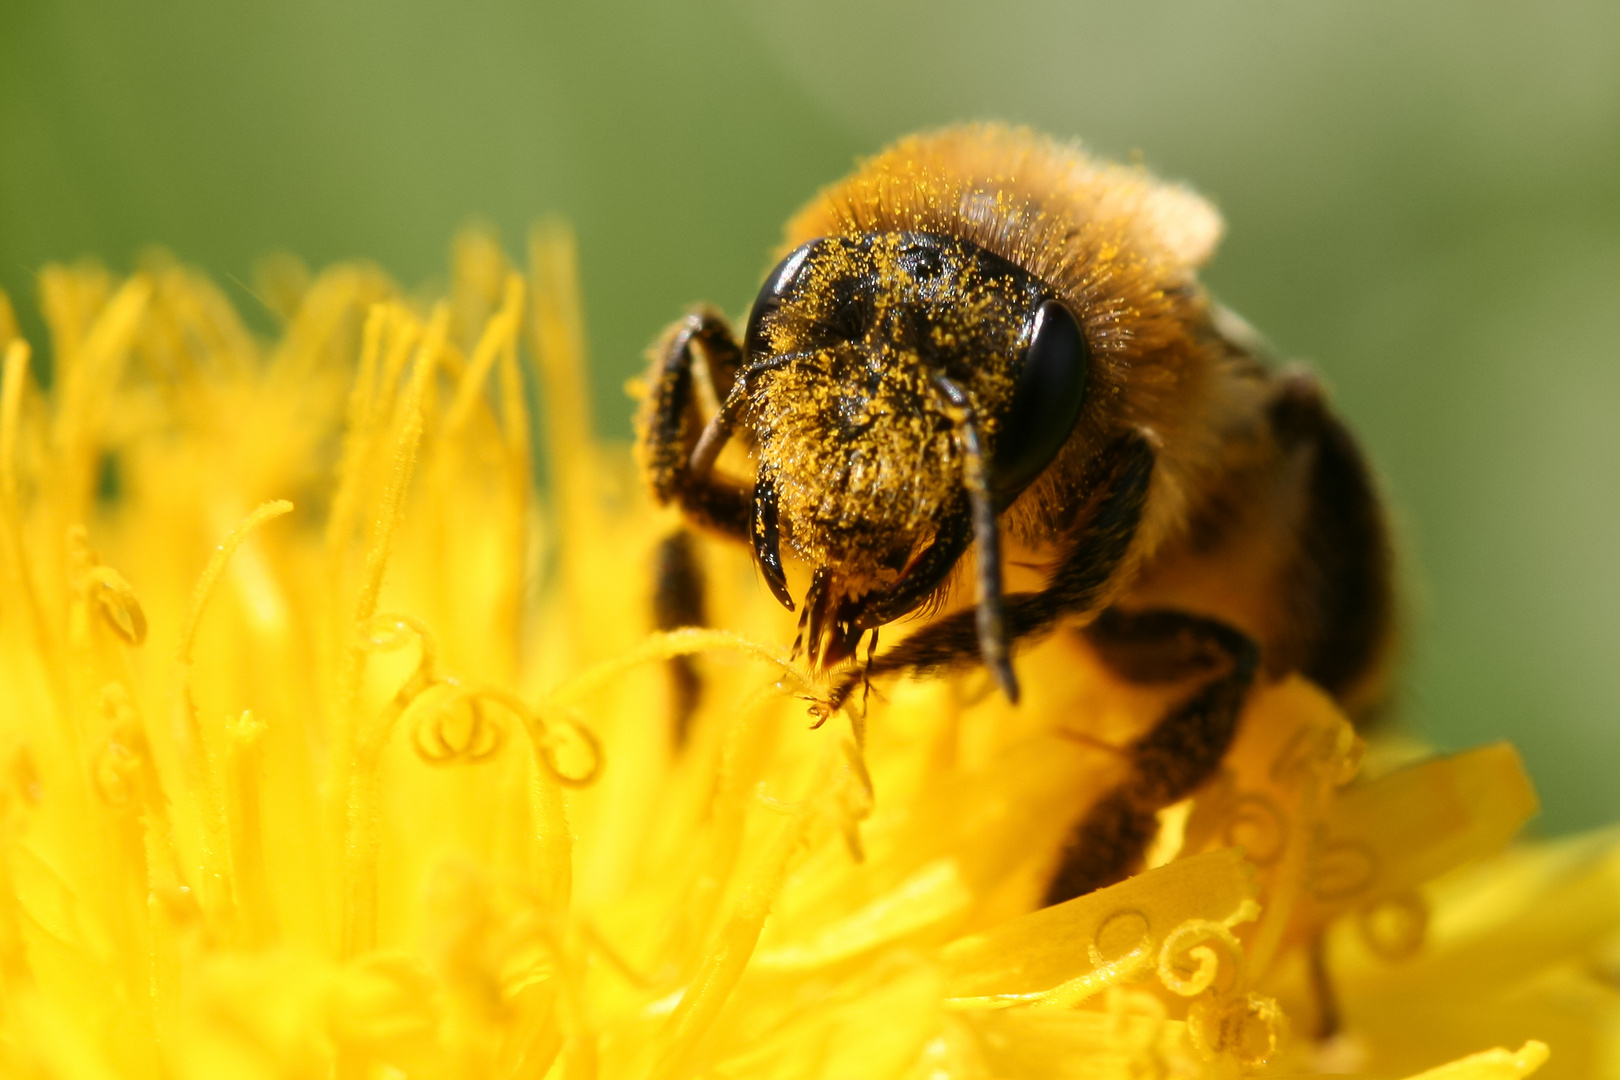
(328, 748)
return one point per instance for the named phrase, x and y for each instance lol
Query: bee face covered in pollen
(898, 388)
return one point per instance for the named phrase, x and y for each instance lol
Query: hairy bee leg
(678, 601)
(673, 425)
(1181, 751)
(1080, 586)
(1328, 1020)
(1343, 573)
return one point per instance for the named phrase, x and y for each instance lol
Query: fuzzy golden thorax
(851, 423)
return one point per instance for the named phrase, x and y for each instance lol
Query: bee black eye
(777, 284)
(1046, 402)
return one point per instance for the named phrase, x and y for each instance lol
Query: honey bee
(986, 348)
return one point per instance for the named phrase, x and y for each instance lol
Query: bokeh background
(1423, 201)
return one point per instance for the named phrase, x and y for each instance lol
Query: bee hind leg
(1178, 754)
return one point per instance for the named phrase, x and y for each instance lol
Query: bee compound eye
(1046, 402)
(777, 283)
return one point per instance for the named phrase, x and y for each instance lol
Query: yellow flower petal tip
(330, 747)
(1498, 1064)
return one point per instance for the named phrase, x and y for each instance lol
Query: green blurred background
(1423, 201)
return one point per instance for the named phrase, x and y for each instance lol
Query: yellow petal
(1495, 1064)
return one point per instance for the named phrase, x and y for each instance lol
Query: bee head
(898, 386)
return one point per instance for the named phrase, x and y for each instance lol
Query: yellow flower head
(328, 748)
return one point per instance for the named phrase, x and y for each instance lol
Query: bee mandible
(985, 346)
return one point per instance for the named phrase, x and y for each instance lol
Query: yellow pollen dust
(334, 743)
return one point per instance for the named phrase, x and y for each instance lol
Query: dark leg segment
(677, 602)
(1345, 608)
(1328, 1020)
(674, 423)
(1178, 754)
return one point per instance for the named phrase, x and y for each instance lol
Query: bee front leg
(1180, 752)
(1082, 585)
(672, 423)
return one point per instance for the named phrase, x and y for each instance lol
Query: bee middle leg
(678, 601)
(1178, 754)
(673, 421)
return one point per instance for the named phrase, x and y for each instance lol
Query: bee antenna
(989, 619)
(717, 432)
(712, 440)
